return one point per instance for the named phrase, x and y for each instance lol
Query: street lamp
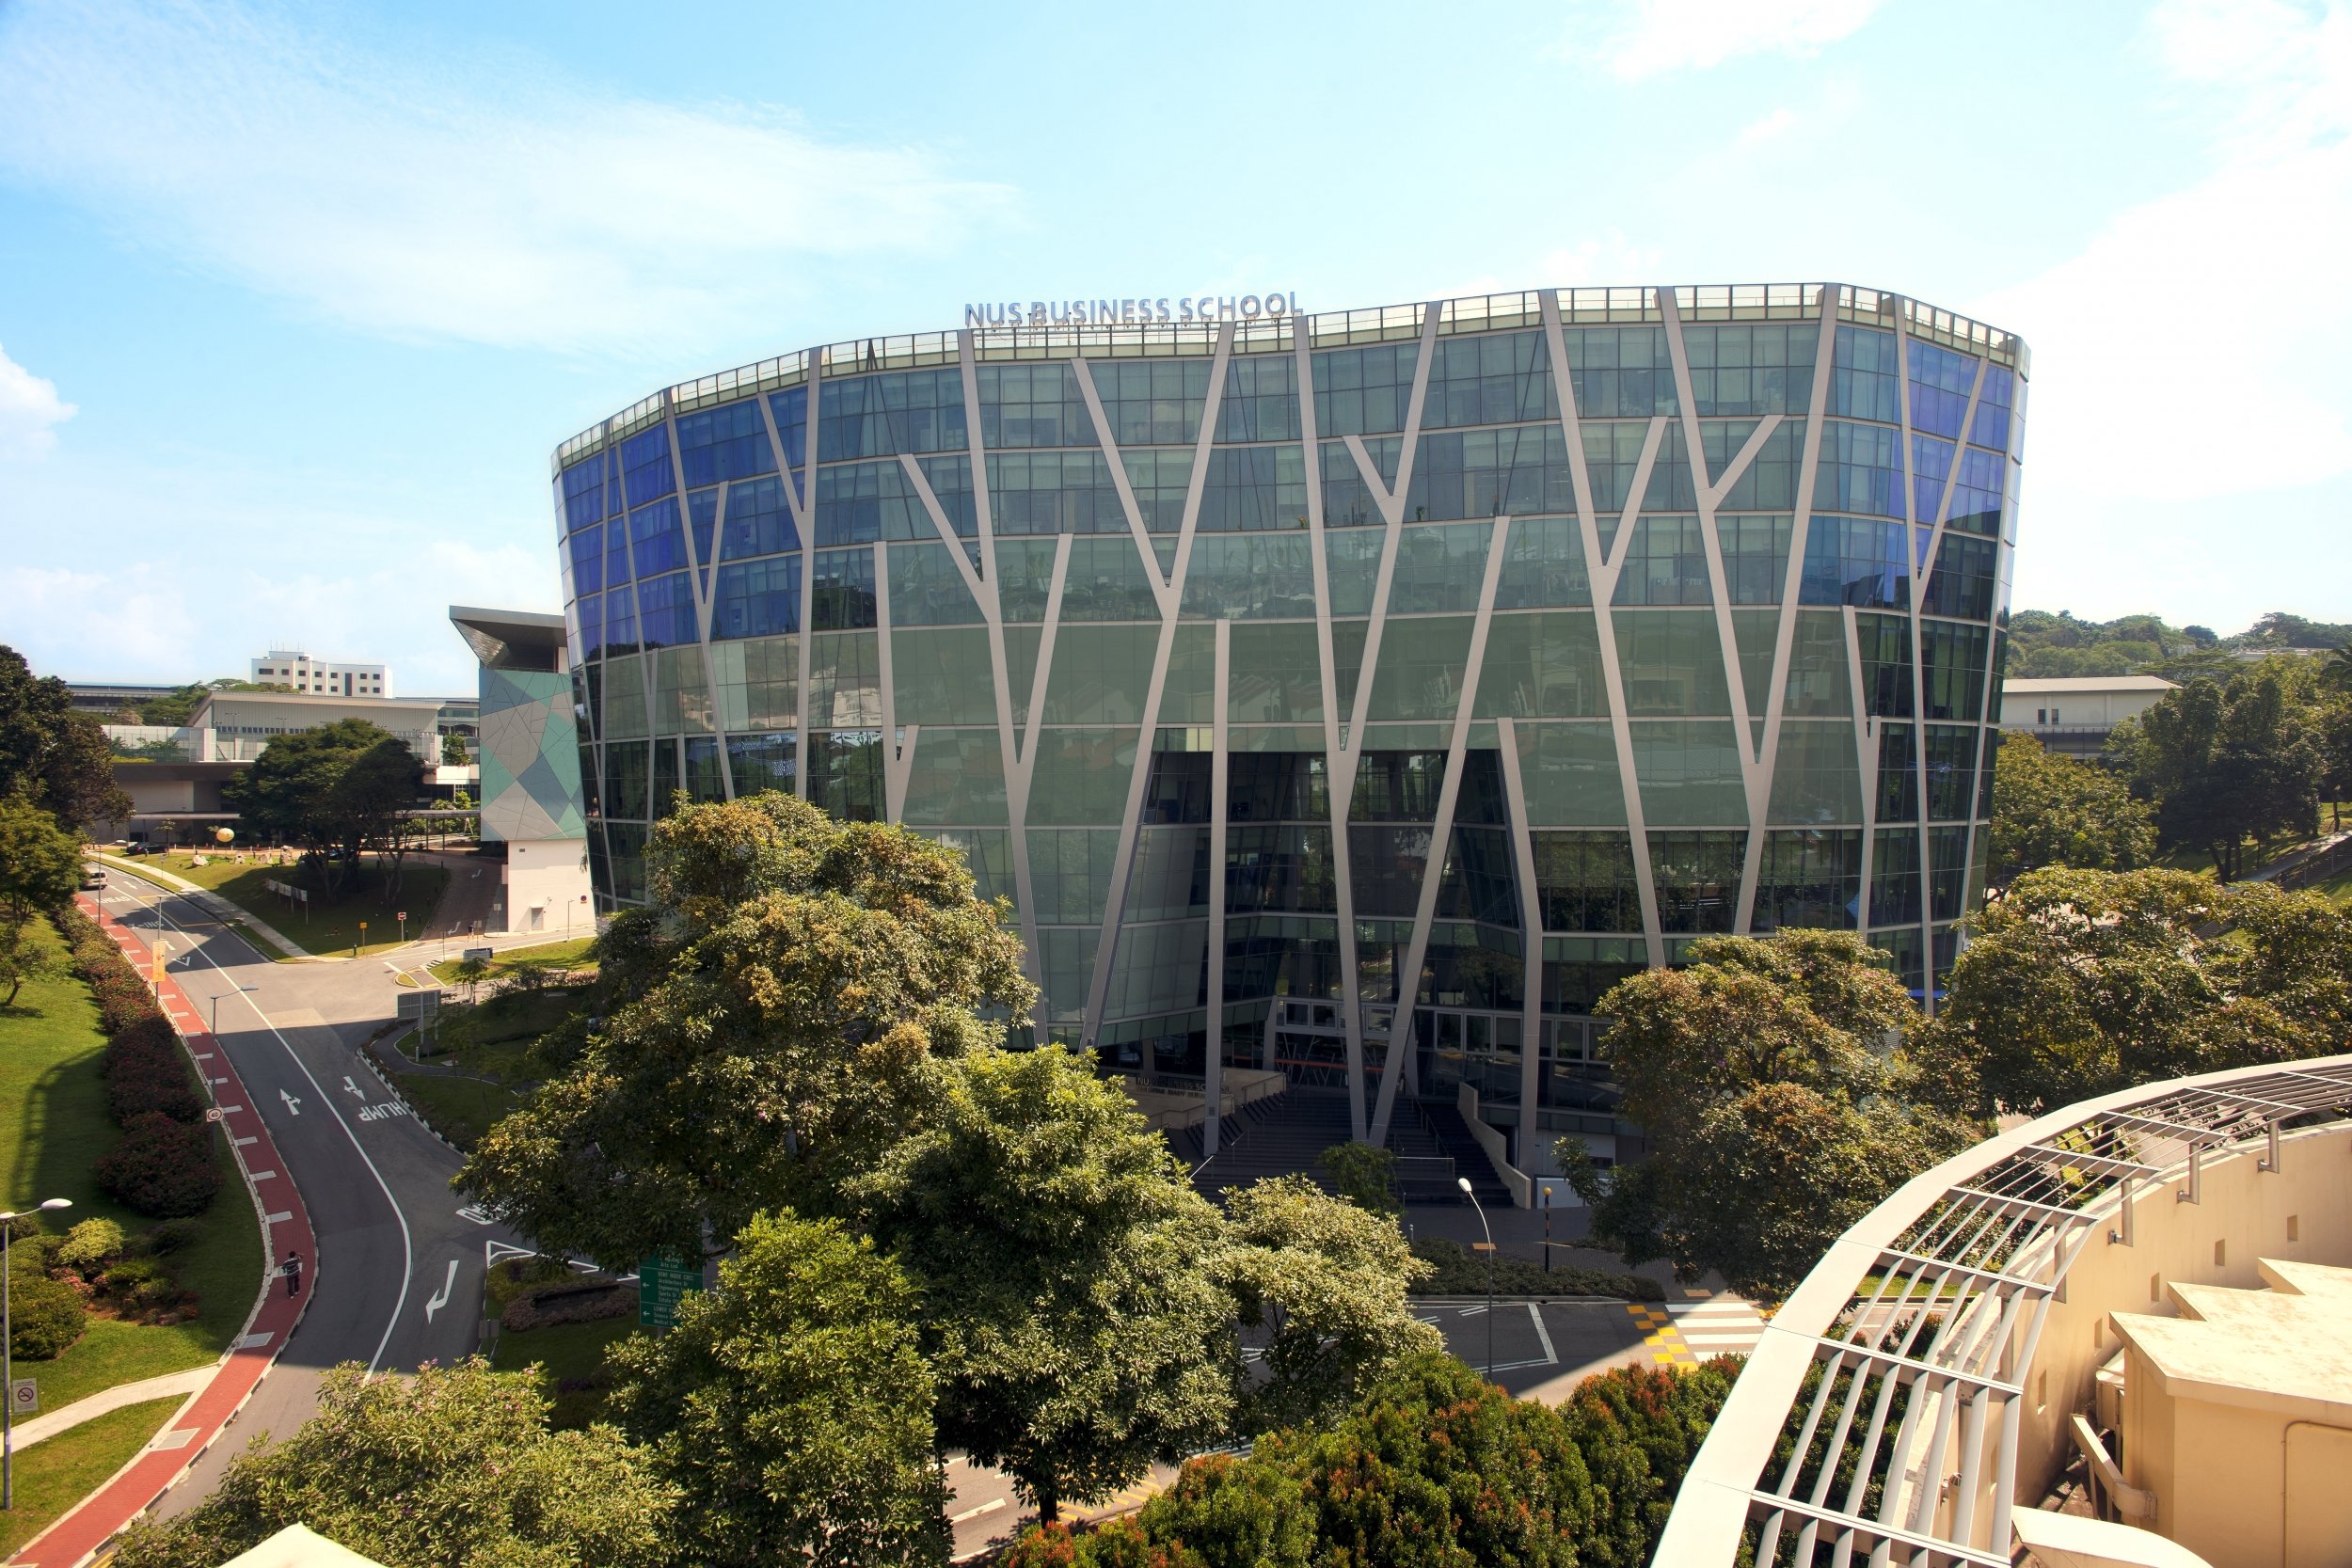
(1463, 1182)
(217, 996)
(7, 1365)
(1546, 1227)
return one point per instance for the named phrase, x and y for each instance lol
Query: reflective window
(1543, 567)
(1261, 401)
(845, 774)
(1491, 378)
(1863, 382)
(1808, 877)
(880, 414)
(1253, 488)
(645, 465)
(728, 442)
(1440, 568)
(1621, 373)
(1697, 878)
(790, 409)
(1033, 405)
(759, 520)
(586, 548)
(927, 589)
(1861, 469)
(1159, 482)
(1962, 581)
(657, 540)
(1855, 560)
(1542, 665)
(1054, 492)
(758, 599)
(1751, 368)
(1993, 410)
(844, 596)
(1157, 403)
(1940, 383)
(1584, 882)
(583, 491)
(665, 611)
(761, 763)
(1363, 391)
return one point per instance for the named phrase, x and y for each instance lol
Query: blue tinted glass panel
(1995, 404)
(880, 416)
(790, 410)
(645, 465)
(656, 540)
(588, 610)
(1976, 495)
(702, 517)
(759, 520)
(1855, 560)
(759, 598)
(844, 596)
(1940, 382)
(724, 443)
(587, 549)
(665, 611)
(1863, 382)
(583, 492)
(620, 620)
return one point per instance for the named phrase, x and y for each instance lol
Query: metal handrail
(1988, 1237)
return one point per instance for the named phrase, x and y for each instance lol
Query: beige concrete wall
(2247, 1209)
(547, 872)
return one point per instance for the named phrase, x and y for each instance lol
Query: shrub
(122, 996)
(575, 1304)
(171, 1236)
(145, 1283)
(1365, 1175)
(162, 1168)
(89, 1247)
(145, 1072)
(44, 1318)
(1462, 1273)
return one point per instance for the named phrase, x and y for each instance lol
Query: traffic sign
(24, 1396)
(661, 1282)
(422, 1003)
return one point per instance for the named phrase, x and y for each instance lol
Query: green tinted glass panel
(943, 676)
(1276, 675)
(1690, 772)
(757, 683)
(928, 590)
(1672, 662)
(1815, 778)
(1570, 773)
(1082, 776)
(1191, 673)
(1820, 684)
(1544, 664)
(1100, 675)
(1422, 663)
(844, 680)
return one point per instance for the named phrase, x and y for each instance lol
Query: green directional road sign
(661, 1281)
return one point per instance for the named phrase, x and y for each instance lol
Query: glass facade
(1302, 681)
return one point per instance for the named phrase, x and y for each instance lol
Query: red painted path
(77, 1537)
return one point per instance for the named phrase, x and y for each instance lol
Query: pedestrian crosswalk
(1685, 1333)
(1720, 1326)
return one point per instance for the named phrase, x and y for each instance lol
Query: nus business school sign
(1131, 312)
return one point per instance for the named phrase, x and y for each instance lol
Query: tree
(2079, 983)
(2049, 809)
(455, 1467)
(41, 865)
(768, 1018)
(1321, 1286)
(2227, 759)
(336, 790)
(792, 1407)
(1771, 1063)
(454, 753)
(1365, 1175)
(1073, 1313)
(51, 755)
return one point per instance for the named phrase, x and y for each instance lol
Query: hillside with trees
(2048, 646)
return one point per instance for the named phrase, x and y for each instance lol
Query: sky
(295, 301)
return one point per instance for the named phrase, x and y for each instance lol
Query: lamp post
(1546, 1227)
(7, 1364)
(1463, 1182)
(217, 996)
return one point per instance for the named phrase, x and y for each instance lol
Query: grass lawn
(565, 1353)
(53, 1476)
(567, 955)
(326, 927)
(489, 1046)
(52, 1124)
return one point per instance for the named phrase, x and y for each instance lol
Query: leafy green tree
(769, 1021)
(1074, 1313)
(455, 1467)
(2049, 809)
(2227, 759)
(41, 865)
(2079, 983)
(454, 753)
(792, 1407)
(1704, 1054)
(51, 755)
(1320, 1285)
(336, 790)
(1365, 1175)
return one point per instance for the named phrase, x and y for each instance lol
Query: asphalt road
(399, 1277)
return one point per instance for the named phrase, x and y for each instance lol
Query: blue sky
(294, 301)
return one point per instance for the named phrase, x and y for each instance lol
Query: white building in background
(2075, 714)
(321, 677)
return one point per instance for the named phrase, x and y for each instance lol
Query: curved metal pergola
(1878, 1419)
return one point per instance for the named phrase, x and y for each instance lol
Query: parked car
(93, 878)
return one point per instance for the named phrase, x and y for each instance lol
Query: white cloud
(2193, 348)
(1650, 38)
(487, 200)
(1770, 129)
(30, 411)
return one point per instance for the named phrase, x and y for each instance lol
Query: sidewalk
(27, 1433)
(77, 1537)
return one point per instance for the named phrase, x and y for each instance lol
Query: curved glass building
(1335, 693)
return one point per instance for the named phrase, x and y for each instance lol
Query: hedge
(1463, 1273)
(121, 995)
(44, 1318)
(162, 1168)
(146, 1072)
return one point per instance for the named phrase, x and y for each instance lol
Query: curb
(297, 1222)
(384, 1076)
